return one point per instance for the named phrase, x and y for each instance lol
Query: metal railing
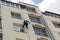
(10, 4)
(52, 15)
(47, 28)
(18, 6)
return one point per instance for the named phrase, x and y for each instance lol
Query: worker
(25, 23)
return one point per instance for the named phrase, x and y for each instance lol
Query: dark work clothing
(26, 26)
(25, 23)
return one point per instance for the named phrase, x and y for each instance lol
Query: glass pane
(0, 36)
(23, 6)
(12, 5)
(40, 31)
(17, 28)
(8, 3)
(16, 16)
(34, 19)
(17, 6)
(3, 2)
(0, 24)
(57, 25)
(30, 10)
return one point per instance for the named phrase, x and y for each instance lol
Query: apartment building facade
(42, 26)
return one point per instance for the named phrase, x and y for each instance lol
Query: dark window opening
(1, 37)
(23, 6)
(30, 9)
(56, 25)
(0, 24)
(15, 15)
(40, 31)
(33, 19)
(17, 27)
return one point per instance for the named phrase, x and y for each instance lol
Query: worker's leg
(22, 30)
(23, 26)
(27, 26)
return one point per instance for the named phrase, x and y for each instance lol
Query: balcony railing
(52, 14)
(10, 4)
(18, 6)
(47, 28)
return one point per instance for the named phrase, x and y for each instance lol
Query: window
(12, 5)
(30, 9)
(38, 39)
(56, 25)
(17, 27)
(8, 3)
(23, 6)
(55, 16)
(0, 36)
(40, 31)
(18, 39)
(59, 33)
(0, 24)
(33, 19)
(17, 6)
(4, 3)
(16, 15)
(51, 14)
(42, 39)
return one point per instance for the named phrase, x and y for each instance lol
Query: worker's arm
(28, 22)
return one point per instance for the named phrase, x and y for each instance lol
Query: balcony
(18, 6)
(51, 14)
(10, 4)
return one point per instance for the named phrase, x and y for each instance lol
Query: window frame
(1, 36)
(45, 33)
(34, 17)
(0, 24)
(29, 9)
(56, 25)
(17, 6)
(18, 26)
(15, 15)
